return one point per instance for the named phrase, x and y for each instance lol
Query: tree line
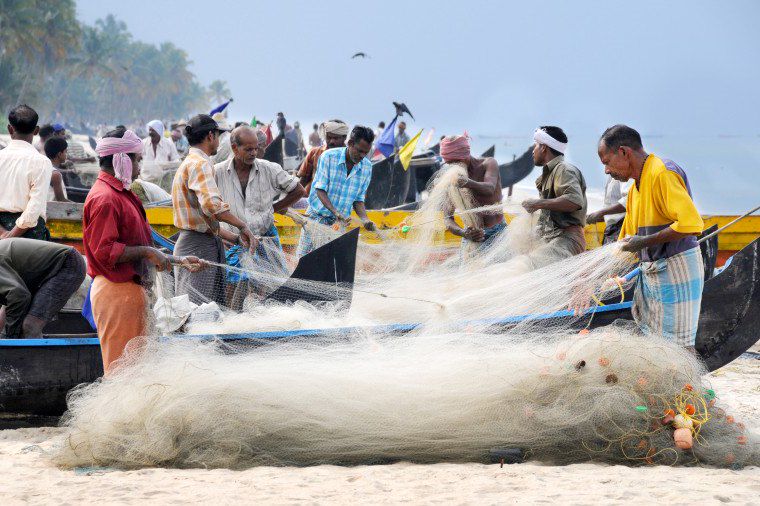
(87, 75)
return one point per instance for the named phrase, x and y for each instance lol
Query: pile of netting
(494, 359)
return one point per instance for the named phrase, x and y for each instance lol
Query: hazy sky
(490, 67)
(684, 72)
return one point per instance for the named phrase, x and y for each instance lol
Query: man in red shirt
(117, 240)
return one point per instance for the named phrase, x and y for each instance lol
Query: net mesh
(459, 383)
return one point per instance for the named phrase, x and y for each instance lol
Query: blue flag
(219, 108)
(386, 142)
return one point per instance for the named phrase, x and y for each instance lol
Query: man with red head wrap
(483, 180)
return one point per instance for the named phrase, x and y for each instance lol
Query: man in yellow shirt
(661, 225)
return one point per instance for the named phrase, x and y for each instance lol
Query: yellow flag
(405, 153)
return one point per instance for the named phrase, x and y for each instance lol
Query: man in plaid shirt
(198, 209)
(340, 183)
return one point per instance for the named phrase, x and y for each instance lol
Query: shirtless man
(484, 181)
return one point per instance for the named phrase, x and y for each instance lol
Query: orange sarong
(119, 312)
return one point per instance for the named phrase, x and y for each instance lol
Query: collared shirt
(165, 150)
(24, 180)
(265, 182)
(561, 179)
(195, 196)
(343, 189)
(309, 166)
(113, 218)
(662, 199)
(615, 192)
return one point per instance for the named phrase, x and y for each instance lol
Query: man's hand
(14, 232)
(193, 264)
(369, 225)
(342, 220)
(595, 217)
(474, 234)
(463, 181)
(247, 239)
(634, 244)
(158, 259)
(531, 205)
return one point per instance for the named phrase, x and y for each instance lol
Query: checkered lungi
(668, 296)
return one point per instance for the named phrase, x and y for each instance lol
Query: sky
(494, 68)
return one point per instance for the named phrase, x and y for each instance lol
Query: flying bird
(401, 109)
(360, 55)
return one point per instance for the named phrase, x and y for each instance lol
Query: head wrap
(456, 147)
(541, 137)
(122, 164)
(332, 127)
(156, 125)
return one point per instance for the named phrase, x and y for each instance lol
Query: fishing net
(490, 357)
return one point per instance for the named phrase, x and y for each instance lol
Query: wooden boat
(37, 373)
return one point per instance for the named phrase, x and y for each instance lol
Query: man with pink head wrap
(117, 243)
(484, 181)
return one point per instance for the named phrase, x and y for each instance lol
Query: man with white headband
(334, 133)
(117, 243)
(156, 147)
(563, 202)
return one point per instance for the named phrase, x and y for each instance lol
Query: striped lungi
(668, 296)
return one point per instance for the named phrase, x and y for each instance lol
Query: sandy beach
(26, 476)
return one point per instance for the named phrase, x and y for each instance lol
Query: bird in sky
(359, 55)
(401, 108)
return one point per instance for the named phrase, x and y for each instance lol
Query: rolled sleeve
(676, 204)
(569, 186)
(201, 181)
(39, 185)
(282, 180)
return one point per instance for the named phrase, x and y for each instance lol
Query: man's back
(24, 174)
(31, 259)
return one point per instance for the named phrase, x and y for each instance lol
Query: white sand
(27, 477)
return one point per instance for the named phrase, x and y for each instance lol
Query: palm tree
(219, 92)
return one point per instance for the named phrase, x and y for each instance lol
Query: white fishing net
(494, 360)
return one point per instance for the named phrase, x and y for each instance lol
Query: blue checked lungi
(490, 234)
(272, 256)
(306, 241)
(668, 296)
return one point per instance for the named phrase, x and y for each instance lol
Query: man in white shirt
(250, 186)
(24, 179)
(613, 212)
(156, 147)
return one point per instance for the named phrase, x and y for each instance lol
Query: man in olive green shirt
(563, 202)
(36, 280)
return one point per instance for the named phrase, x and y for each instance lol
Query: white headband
(541, 137)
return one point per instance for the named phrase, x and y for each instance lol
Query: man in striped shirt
(198, 210)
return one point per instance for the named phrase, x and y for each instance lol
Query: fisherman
(401, 137)
(24, 179)
(224, 151)
(563, 202)
(180, 143)
(334, 132)
(198, 209)
(157, 148)
(117, 239)
(250, 186)
(47, 131)
(36, 280)
(314, 139)
(484, 181)
(613, 212)
(340, 183)
(661, 225)
(56, 150)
